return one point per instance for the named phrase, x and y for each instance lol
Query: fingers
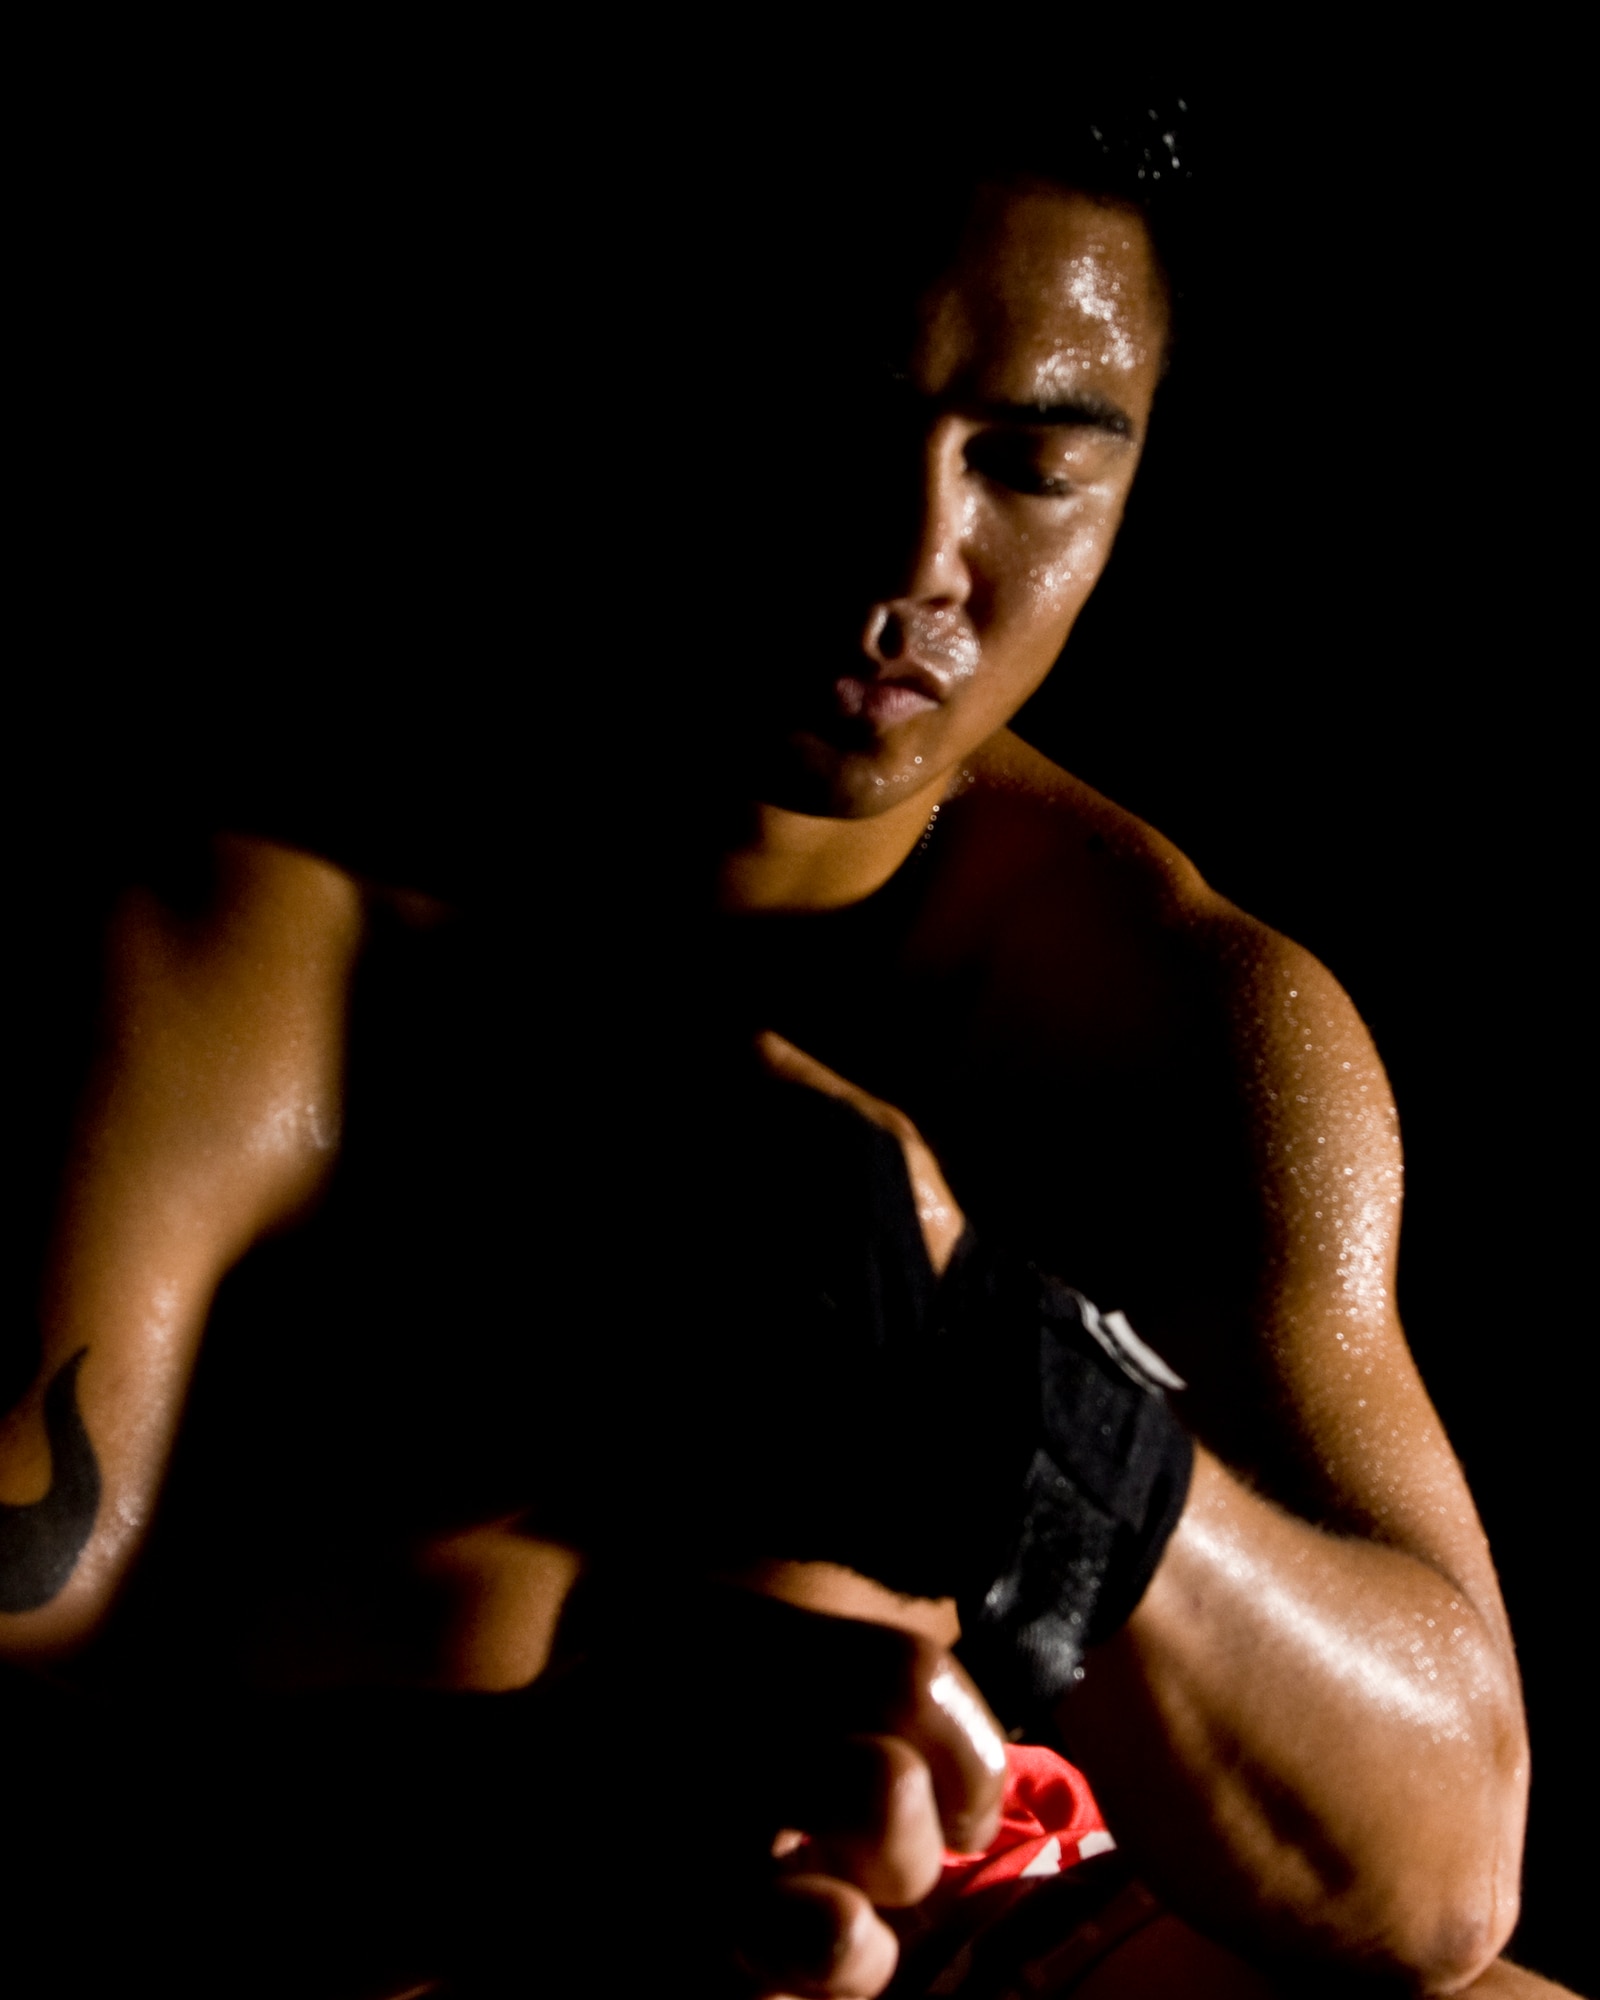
(869, 1739)
(941, 1219)
(840, 1677)
(950, 1724)
(783, 1059)
(874, 1821)
(811, 1935)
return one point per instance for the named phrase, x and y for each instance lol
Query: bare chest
(1072, 1079)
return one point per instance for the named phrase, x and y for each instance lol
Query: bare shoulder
(1038, 813)
(226, 991)
(224, 899)
(1231, 991)
(209, 1117)
(1068, 869)
(1252, 1137)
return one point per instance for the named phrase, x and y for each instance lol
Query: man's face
(983, 512)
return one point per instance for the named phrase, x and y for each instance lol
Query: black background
(1333, 657)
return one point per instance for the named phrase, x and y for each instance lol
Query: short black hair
(1132, 148)
(871, 221)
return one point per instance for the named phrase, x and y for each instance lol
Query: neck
(792, 861)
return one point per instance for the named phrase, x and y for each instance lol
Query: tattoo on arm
(41, 1543)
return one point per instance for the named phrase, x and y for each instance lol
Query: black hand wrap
(1069, 1535)
(987, 1436)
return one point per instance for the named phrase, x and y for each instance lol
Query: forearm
(1313, 1740)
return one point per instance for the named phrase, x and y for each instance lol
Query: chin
(810, 775)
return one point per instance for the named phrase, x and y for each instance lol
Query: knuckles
(883, 1831)
(816, 1936)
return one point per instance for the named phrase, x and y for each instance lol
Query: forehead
(1050, 293)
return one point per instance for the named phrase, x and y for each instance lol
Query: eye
(1012, 459)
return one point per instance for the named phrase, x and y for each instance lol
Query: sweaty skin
(1309, 1733)
(1302, 1727)
(212, 1121)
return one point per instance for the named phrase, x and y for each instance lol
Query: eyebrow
(1086, 411)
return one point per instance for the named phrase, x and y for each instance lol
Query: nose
(934, 573)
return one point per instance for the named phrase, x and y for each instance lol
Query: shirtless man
(1308, 1733)
(1222, 1160)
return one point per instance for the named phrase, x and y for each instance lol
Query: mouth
(886, 702)
(920, 655)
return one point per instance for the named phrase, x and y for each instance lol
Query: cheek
(1039, 575)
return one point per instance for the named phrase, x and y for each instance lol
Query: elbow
(43, 1534)
(1422, 1927)
(1464, 1935)
(47, 1633)
(1448, 1913)
(56, 1588)
(1470, 1927)
(1422, 1930)
(53, 1599)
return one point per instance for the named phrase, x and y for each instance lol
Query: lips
(884, 702)
(920, 655)
(913, 659)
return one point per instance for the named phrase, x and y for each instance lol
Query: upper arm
(1241, 1196)
(1347, 1409)
(209, 1118)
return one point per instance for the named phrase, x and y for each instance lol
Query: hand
(813, 1767)
(941, 1219)
(869, 1813)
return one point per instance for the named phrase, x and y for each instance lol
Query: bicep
(208, 1118)
(1347, 1419)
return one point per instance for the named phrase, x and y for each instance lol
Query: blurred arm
(210, 1118)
